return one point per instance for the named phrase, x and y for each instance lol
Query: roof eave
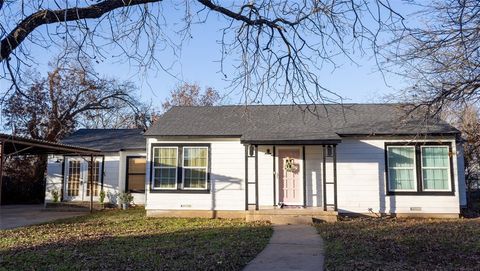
(292, 142)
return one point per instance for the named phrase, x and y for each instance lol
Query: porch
(303, 215)
(291, 179)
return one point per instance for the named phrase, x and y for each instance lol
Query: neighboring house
(354, 158)
(122, 162)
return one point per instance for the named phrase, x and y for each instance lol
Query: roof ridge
(259, 105)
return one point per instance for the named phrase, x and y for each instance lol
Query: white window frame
(447, 167)
(205, 167)
(158, 167)
(390, 189)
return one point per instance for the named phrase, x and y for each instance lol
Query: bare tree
(191, 94)
(140, 116)
(52, 106)
(466, 118)
(278, 48)
(441, 54)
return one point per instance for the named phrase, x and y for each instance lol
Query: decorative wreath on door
(289, 165)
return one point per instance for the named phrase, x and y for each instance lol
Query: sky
(358, 82)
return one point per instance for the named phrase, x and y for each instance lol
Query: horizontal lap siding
(111, 177)
(265, 176)
(226, 176)
(361, 182)
(138, 198)
(314, 160)
(54, 178)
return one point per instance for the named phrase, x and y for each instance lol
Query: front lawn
(395, 244)
(127, 240)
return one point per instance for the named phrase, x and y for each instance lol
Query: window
(136, 174)
(419, 168)
(195, 167)
(165, 161)
(401, 168)
(435, 168)
(182, 168)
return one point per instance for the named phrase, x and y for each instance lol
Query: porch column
(330, 187)
(2, 156)
(246, 177)
(335, 177)
(90, 173)
(256, 177)
(274, 177)
(304, 162)
(324, 176)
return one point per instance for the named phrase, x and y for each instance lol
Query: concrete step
(291, 216)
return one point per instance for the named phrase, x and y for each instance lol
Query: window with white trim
(195, 167)
(401, 168)
(165, 161)
(435, 168)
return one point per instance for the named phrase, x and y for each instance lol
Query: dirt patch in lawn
(127, 240)
(402, 244)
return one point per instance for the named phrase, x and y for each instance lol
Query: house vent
(186, 205)
(415, 209)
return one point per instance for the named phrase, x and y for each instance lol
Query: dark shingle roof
(108, 140)
(296, 122)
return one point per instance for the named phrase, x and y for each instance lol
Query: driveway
(14, 216)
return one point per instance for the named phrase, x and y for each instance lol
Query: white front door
(77, 186)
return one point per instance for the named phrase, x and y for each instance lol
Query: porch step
(291, 216)
(80, 206)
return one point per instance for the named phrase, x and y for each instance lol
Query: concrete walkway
(14, 216)
(292, 247)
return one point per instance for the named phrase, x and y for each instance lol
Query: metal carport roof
(12, 145)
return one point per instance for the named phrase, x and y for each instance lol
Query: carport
(12, 145)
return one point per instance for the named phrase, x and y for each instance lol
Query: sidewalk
(292, 247)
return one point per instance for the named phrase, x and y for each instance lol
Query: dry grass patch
(402, 244)
(127, 240)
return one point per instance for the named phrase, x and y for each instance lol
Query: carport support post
(2, 156)
(90, 173)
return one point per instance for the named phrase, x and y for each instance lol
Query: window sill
(179, 191)
(422, 193)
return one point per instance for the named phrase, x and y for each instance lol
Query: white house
(357, 158)
(239, 161)
(122, 161)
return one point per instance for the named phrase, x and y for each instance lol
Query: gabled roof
(262, 123)
(108, 140)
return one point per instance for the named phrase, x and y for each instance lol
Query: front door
(77, 175)
(290, 180)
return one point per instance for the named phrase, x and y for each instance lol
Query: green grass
(127, 240)
(394, 244)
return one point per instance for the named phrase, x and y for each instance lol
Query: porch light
(59, 160)
(251, 150)
(268, 152)
(329, 151)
